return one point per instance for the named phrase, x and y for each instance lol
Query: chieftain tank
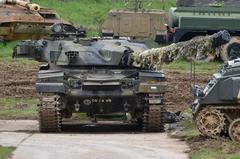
(216, 108)
(96, 77)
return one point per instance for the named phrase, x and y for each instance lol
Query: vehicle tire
(231, 50)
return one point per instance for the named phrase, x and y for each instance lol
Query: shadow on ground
(77, 127)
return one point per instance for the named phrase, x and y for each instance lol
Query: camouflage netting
(189, 3)
(199, 49)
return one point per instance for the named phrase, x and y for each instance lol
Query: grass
(5, 152)
(182, 65)
(6, 50)
(214, 154)
(189, 129)
(18, 108)
(12, 108)
(6, 55)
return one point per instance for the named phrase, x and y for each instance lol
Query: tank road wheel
(234, 130)
(152, 118)
(210, 122)
(50, 119)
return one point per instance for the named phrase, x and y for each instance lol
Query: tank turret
(136, 56)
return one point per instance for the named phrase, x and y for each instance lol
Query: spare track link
(50, 119)
(152, 118)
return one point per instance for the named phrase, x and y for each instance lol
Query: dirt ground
(179, 96)
(17, 80)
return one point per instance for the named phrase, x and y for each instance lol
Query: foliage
(182, 65)
(5, 152)
(18, 108)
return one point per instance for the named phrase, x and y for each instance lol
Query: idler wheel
(234, 130)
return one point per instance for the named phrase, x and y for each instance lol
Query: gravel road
(115, 145)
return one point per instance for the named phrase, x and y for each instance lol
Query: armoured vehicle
(22, 20)
(194, 18)
(216, 109)
(137, 23)
(96, 77)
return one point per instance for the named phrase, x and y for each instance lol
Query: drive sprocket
(210, 122)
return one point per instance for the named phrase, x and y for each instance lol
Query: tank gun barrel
(198, 49)
(24, 3)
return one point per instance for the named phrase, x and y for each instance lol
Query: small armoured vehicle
(22, 20)
(96, 77)
(216, 109)
(137, 23)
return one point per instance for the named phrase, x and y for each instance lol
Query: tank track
(152, 116)
(50, 119)
(226, 125)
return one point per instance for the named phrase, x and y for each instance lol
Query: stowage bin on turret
(96, 77)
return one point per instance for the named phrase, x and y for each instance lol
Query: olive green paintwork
(205, 18)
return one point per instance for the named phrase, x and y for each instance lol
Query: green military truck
(194, 18)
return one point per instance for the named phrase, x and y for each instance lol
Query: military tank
(96, 77)
(22, 20)
(216, 109)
